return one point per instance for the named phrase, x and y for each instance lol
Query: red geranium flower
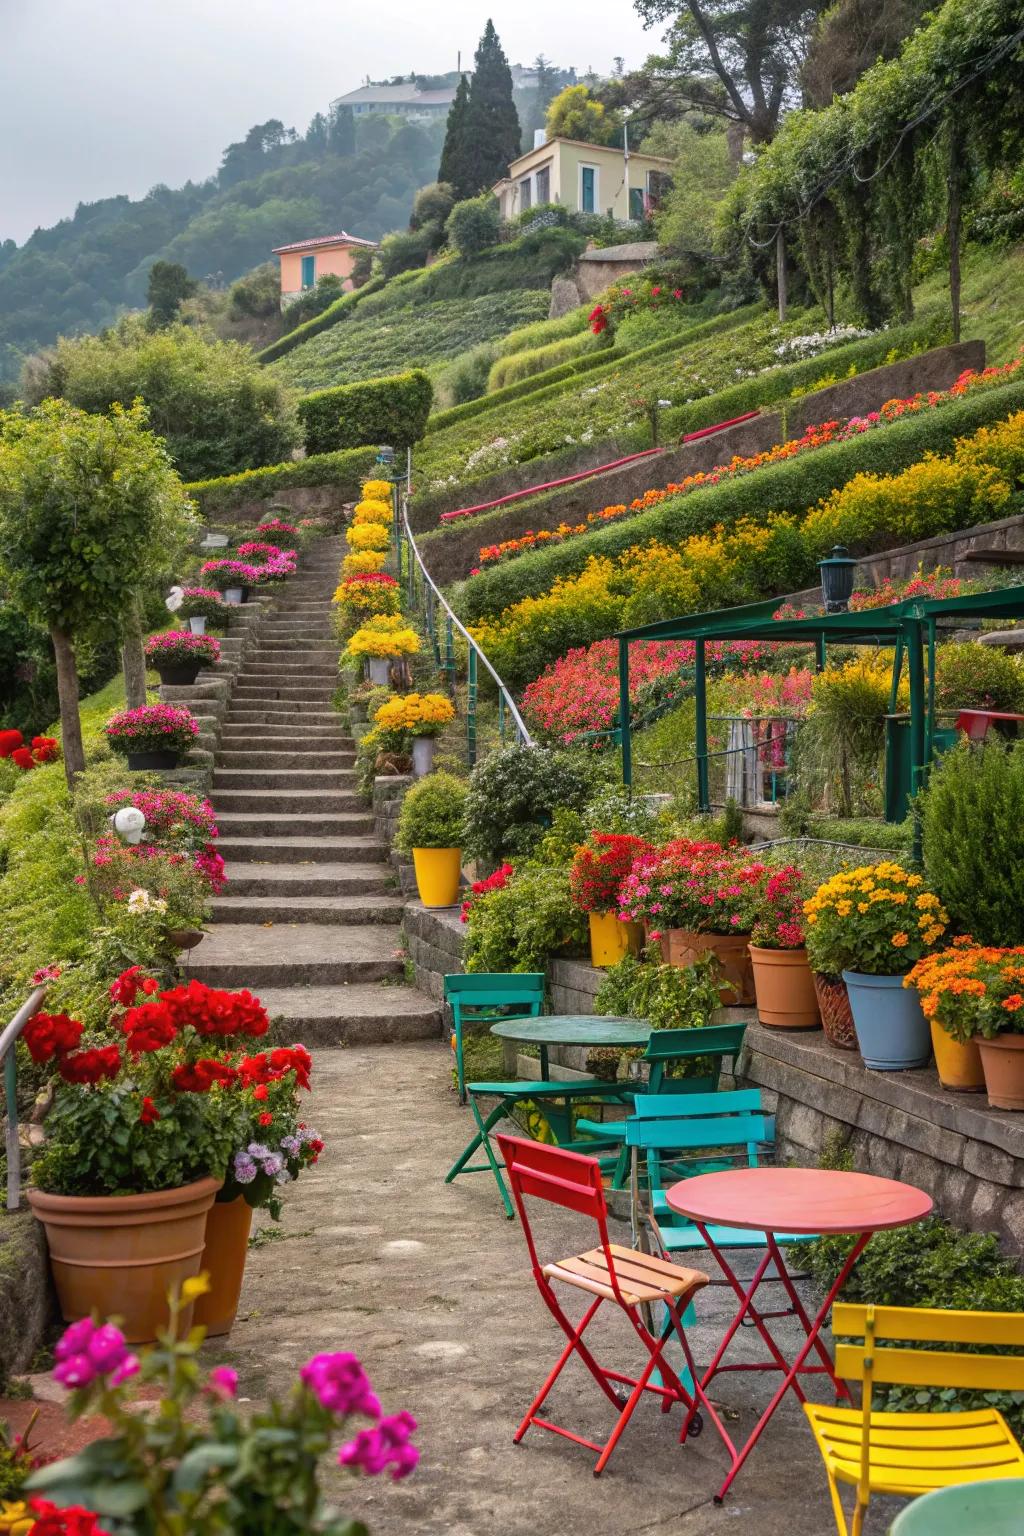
(10, 741)
(49, 1035)
(91, 1066)
(201, 1076)
(266, 1118)
(22, 756)
(212, 1012)
(72, 1521)
(149, 1112)
(148, 1027)
(295, 1059)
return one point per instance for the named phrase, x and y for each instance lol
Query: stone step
(288, 664)
(291, 693)
(294, 721)
(335, 910)
(269, 677)
(288, 880)
(359, 1014)
(323, 759)
(249, 734)
(263, 799)
(301, 849)
(250, 780)
(297, 823)
(296, 955)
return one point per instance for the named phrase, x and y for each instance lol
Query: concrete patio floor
(430, 1285)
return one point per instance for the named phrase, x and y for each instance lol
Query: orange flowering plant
(972, 990)
(878, 920)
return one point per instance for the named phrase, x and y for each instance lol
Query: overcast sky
(105, 96)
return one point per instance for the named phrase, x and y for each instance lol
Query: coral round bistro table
(791, 1200)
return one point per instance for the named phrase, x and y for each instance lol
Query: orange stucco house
(307, 260)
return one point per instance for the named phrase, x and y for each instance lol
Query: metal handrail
(506, 703)
(9, 1062)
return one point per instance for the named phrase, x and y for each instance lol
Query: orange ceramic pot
(959, 1065)
(681, 946)
(1003, 1061)
(122, 1253)
(227, 1246)
(785, 988)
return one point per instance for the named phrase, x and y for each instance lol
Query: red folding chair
(608, 1273)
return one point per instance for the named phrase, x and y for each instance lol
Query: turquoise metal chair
(485, 997)
(666, 1049)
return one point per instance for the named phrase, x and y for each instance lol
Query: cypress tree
(492, 122)
(454, 167)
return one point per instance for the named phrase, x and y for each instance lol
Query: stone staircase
(309, 920)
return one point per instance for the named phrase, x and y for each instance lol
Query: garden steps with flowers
(309, 917)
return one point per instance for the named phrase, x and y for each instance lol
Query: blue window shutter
(308, 271)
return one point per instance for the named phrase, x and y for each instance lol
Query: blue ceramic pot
(892, 1032)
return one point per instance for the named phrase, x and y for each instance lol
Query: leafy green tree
(432, 204)
(702, 172)
(492, 122)
(90, 510)
(341, 131)
(257, 295)
(575, 114)
(169, 284)
(737, 59)
(455, 170)
(218, 410)
(850, 37)
(474, 225)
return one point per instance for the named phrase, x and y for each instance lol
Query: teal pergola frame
(910, 627)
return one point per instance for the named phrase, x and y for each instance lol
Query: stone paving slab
(365, 1014)
(430, 1285)
(286, 954)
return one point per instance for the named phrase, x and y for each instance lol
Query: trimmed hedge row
(346, 470)
(392, 410)
(339, 310)
(791, 486)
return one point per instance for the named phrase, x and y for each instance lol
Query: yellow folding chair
(912, 1453)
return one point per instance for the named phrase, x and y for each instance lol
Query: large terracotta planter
(438, 875)
(785, 988)
(612, 940)
(121, 1254)
(227, 1245)
(892, 1032)
(681, 946)
(959, 1065)
(1003, 1061)
(834, 1006)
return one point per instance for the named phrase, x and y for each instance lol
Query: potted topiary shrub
(973, 998)
(201, 606)
(143, 1122)
(422, 716)
(783, 983)
(872, 925)
(430, 827)
(179, 656)
(152, 736)
(598, 869)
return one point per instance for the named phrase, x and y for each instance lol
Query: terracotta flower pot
(785, 988)
(681, 946)
(121, 1253)
(959, 1065)
(611, 940)
(227, 1245)
(1003, 1061)
(834, 1006)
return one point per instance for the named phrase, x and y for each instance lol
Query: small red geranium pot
(595, 879)
(783, 983)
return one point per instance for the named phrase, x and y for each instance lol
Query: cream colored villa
(585, 178)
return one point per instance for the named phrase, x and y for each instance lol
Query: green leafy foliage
(218, 411)
(515, 792)
(433, 813)
(473, 225)
(520, 927)
(392, 410)
(666, 996)
(971, 676)
(345, 470)
(973, 833)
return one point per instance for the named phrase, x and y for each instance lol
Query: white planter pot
(378, 667)
(233, 596)
(197, 624)
(215, 541)
(422, 755)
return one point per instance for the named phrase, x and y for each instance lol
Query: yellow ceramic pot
(959, 1066)
(438, 875)
(611, 940)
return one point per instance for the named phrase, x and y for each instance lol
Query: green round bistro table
(993, 1508)
(572, 1029)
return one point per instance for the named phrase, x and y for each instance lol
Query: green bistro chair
(486, 997)
(665, 1049)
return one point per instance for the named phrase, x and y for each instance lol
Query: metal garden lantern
(837, 579)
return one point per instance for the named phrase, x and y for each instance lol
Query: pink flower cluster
(387, 1445)
(342, 1387)
(275, 525)
(167, 810)
(89, 1350)
(175, 643)
(151, 722)
(340, 1384)
(580, 691)
(209, 593)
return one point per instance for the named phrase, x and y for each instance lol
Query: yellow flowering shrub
(364, 562)
(879, 920)
(577, 610)
(368, 592)
(16, 1519)
(933, 496)
(421, 714)
(384, 635)
(376, 490)
(372, 512)
(368, 536)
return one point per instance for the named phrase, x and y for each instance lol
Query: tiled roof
(306, 245)
(395, 95)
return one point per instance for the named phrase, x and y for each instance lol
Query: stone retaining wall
(436, 941)
(900, 1125)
